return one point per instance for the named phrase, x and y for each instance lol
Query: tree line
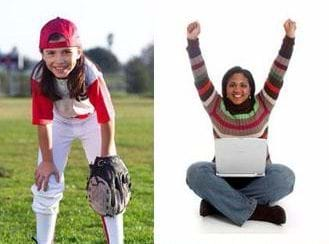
(136, 75)
(138, 71)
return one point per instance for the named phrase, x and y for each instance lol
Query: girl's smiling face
(238, 88)
(61, 61)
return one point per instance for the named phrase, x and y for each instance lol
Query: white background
(249, 34)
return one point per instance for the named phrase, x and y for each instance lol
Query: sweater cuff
(288, 39)
(193, 48)
(287, 47)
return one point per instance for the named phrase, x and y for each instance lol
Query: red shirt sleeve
(42, 107)
(100, 98)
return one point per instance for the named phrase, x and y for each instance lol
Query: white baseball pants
(46, 203)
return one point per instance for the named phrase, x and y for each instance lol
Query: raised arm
(274, 82)
(290, 28)
(205, 88)
(193, 30)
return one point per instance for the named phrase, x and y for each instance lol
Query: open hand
(42, 174)
(290, 28)
(193, 30)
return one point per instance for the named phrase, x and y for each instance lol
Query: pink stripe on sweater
(198, 65)
(280, 65)
(273, 88)
(202, 90)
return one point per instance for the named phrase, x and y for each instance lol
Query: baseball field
(76, 223)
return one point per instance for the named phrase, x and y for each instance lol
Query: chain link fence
(14, 83)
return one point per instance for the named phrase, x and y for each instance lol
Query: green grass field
(76, 223)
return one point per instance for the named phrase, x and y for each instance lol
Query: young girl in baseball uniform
(70, 101)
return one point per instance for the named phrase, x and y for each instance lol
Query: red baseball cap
(63, 27)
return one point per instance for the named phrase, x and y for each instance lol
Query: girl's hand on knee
(42, 174)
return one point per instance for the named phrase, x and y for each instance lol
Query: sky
(130, 21)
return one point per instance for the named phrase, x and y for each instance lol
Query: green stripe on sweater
(240, 116)
(276, 75)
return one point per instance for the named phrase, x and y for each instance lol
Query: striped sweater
(254, 123)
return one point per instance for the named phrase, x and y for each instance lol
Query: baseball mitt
(108, 186)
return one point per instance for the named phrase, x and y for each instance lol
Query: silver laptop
(240, 157)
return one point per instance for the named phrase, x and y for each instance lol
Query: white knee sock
(113, 229)
(45, 228)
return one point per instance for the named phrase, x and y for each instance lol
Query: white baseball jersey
(98, 99)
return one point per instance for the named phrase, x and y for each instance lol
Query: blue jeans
(237, 198)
